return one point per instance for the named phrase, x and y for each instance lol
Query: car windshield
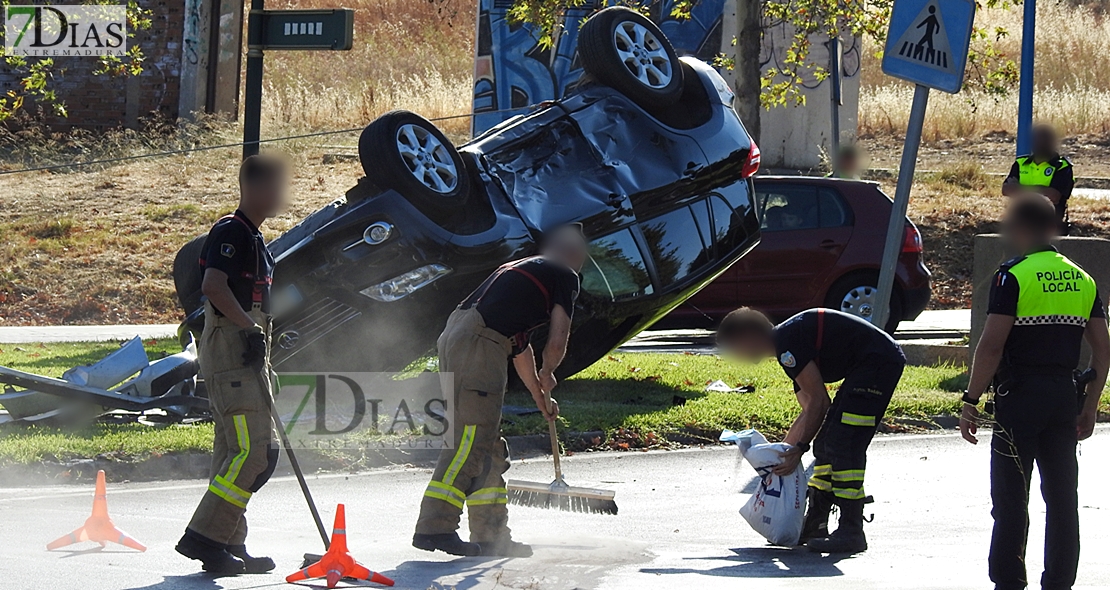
(616, 268)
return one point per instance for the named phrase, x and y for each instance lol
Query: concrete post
(194, 58)
(224, 81)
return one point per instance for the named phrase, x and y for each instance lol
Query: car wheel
(187, 273)
(405, 152)
(857, 294)
(623, 49)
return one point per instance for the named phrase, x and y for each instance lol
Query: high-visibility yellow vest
(1052, 290)
(1033, 174)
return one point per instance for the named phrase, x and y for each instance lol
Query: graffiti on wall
(512, 72)
(196, 29)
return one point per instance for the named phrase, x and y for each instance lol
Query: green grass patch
(53, 359)
(29, 444)
(637, 400)
(661, 394)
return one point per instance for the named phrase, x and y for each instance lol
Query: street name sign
(331, 29)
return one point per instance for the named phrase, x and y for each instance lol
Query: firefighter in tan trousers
(234, 362)
(492, 325)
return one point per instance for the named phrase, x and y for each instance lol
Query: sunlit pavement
(678, 527)
(944, 320)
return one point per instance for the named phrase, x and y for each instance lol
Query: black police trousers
(840, 449)
(1035, 421)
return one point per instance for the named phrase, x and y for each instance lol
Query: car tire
(188, 274)
(625, 50)
(854, 294)
(405, 152)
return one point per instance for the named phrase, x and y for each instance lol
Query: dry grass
(961, 200)
(1073, 91)
(409, 54)
(96, 245)
(886, 109)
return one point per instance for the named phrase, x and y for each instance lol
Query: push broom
(558, 494)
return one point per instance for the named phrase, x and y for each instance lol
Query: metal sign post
(927, 44)
(835, 91)
(329, 30)
(1025, 88)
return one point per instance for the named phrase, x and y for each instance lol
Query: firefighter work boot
(848, 537)
(817, 515)
(213, 558)
(447, 543)
(251, 565)
(506, 547)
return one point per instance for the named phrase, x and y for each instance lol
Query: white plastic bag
(777, 508)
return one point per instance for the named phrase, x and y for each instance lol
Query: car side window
(726, 222)
(834, 211)
(675, 245)
(616, 269)
(789, 207)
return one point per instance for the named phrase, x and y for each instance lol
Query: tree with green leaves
(989, 69)
(36, 74)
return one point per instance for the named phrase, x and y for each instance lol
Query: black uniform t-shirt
(846, 343)
(236, 247)
(519, 297)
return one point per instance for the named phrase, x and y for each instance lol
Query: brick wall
(109, 101)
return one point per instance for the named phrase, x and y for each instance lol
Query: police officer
(1044, 171)
(1042, 306)
(816, 347)
(234, 362)
(489, 327)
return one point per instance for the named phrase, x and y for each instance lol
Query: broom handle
(554, 439)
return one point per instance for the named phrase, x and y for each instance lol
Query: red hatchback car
(822, 246)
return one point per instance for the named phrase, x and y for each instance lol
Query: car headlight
(406, 284)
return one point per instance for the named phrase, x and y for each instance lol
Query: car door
(805, 228)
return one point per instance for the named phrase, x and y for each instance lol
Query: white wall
(798, 136)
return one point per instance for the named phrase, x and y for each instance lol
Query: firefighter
(234, 362)
(489, 327)
(816, 347)
(1045, 172)
(1041, 307)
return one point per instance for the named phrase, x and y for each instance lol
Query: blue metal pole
(1025, 92)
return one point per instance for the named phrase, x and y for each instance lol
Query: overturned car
(646, 152)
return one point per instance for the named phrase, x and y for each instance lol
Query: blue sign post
(927, 44)
(1025, 92)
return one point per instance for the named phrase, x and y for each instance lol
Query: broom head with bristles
(558, 495)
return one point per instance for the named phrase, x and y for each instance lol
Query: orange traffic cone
(99, 526)
(337, 563)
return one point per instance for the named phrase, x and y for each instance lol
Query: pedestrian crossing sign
(928, 41)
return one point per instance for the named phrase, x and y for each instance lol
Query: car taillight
(912, 243)
(752, 165)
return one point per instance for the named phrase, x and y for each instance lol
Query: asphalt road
(678, 528)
